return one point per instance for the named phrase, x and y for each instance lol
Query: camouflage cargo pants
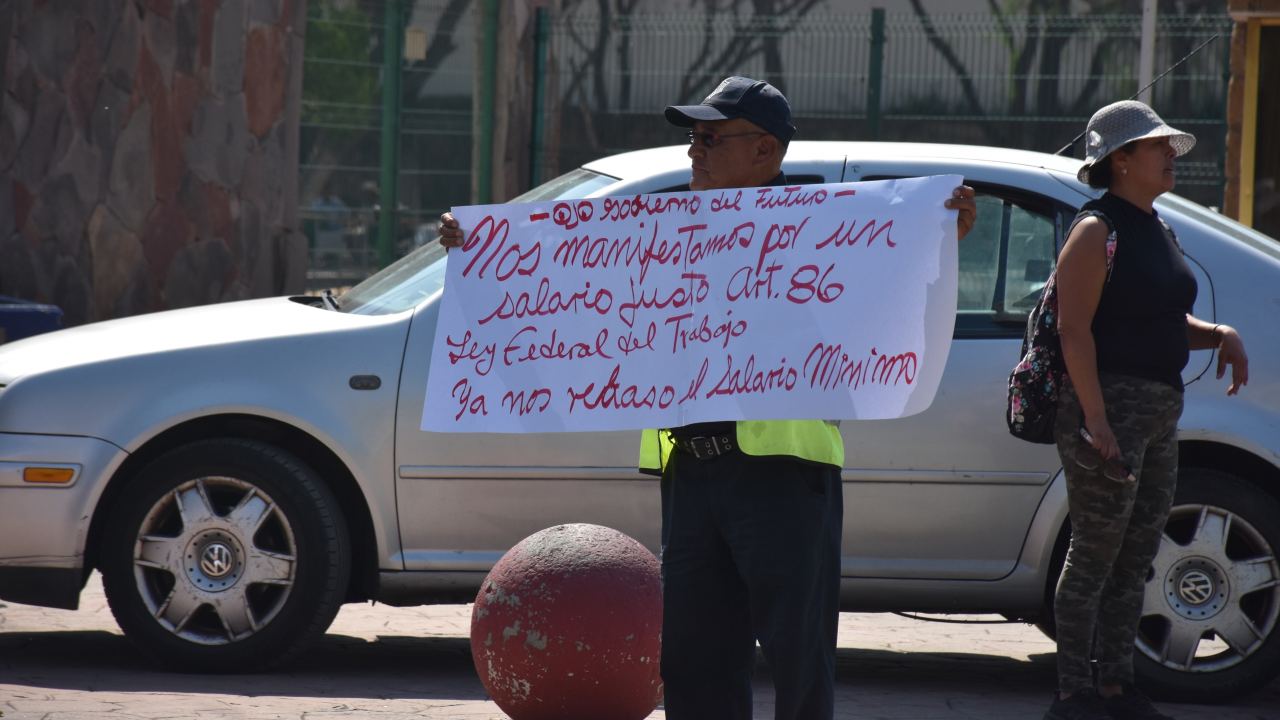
(1116, 526)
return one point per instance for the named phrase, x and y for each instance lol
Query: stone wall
(148, 152)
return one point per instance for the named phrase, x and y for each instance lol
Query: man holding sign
(752, 509)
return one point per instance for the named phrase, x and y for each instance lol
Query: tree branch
(949, 55)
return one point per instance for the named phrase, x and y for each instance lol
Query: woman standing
(1125, 296)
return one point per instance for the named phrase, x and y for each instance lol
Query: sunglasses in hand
(1113, 469)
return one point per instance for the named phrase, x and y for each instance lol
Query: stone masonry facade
(148, 153)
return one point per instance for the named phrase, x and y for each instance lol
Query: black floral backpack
(1037, 379)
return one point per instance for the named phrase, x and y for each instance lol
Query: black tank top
(1140, 326)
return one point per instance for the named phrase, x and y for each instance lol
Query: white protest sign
(832, 301)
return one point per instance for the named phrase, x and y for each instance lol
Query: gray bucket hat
(1119, 124)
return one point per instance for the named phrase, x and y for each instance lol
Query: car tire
(225, 555)
(1210, 628)
(1046, 621)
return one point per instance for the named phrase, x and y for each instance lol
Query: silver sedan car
(239, 471)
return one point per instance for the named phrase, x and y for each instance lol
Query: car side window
(1005, 261)
(1032, 252)
(980, 257)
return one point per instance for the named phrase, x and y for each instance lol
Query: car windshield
(418, 276)
(573, 184)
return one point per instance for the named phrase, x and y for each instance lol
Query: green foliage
(341, 80)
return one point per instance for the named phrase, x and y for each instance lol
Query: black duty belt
(705, 447)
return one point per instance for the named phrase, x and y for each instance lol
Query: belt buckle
(704, 447)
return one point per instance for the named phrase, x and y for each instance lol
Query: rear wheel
(225, 556)
(1210, 627)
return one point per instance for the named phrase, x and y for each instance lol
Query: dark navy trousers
(751, 552)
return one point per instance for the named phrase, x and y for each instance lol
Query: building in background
(1253, 117)
(148, 153)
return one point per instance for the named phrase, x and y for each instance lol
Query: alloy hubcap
(1213, 596)
(214, 561)
(1197, 588)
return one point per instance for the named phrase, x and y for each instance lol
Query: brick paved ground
(393, 663)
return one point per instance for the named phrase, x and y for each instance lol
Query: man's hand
(962, 199)
(450, 233)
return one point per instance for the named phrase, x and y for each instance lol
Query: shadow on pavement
(404, 667)
(398, 667)
(390, 667)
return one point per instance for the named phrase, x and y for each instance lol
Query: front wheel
(225, 556)
(1209, 630)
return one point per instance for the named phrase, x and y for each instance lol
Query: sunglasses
(712, 139)
(1112, 469)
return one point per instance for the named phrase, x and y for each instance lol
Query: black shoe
(1082, 705)
(1132, 705)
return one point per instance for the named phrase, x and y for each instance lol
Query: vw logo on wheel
(1195, 587)
(216, 560)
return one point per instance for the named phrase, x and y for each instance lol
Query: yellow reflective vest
(812, 440)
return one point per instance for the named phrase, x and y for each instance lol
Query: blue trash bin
(24, 318)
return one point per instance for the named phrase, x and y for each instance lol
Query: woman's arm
(1082, 272)
(1205, 335)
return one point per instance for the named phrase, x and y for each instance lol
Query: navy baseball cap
(740, 97)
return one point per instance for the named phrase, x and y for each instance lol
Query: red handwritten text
(544, 302)
(748, 380)
(511, 260)
(788, 197)
(526, 402)
(630, 343)
(806, 285)
(696, 291)
(645, 206)
(747, 283)
(469, 349)
(467, 405)
(829, 366)
(723, 202)
(779, 237)
(685, 334)
(521, 349)
(587, 252)
(842, 237)
(614, 395)
(568, 215)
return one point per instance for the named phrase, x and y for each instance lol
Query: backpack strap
(1111, 234)
(1172, 235)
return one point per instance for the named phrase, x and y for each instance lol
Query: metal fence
(1027, 81)
(350, 122)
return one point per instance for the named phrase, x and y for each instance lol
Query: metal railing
(345, 145)
(1027, 81)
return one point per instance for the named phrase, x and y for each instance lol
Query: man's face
(734, 160)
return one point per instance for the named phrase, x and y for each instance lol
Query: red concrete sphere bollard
(567, 626)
